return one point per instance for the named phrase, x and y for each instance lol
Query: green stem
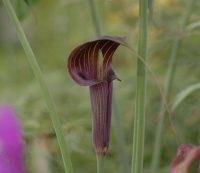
(167, 90)
(38, 74)
(139, 120)
(95, 16)
(100, 164)
(117, 125)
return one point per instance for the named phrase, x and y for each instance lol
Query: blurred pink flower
(185, 156)
(11, 142)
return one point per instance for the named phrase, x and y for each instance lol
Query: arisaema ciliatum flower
(90, 64)
(185, 156)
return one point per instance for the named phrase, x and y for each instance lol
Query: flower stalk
(100, 164)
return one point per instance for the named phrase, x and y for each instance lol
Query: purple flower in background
(87, 68)
(11, 142)
(185, 156)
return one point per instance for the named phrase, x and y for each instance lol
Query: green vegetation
(53, 29)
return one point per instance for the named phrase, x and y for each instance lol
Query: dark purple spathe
(87, 69)
(101, 101)
(11, 143)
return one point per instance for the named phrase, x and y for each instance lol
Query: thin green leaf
(181, 96)
(194, 25)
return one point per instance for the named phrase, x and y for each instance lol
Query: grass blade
(95, 17)
(38, 74)
(139, 119)
(181, 96)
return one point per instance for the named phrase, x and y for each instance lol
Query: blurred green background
(54, 28)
